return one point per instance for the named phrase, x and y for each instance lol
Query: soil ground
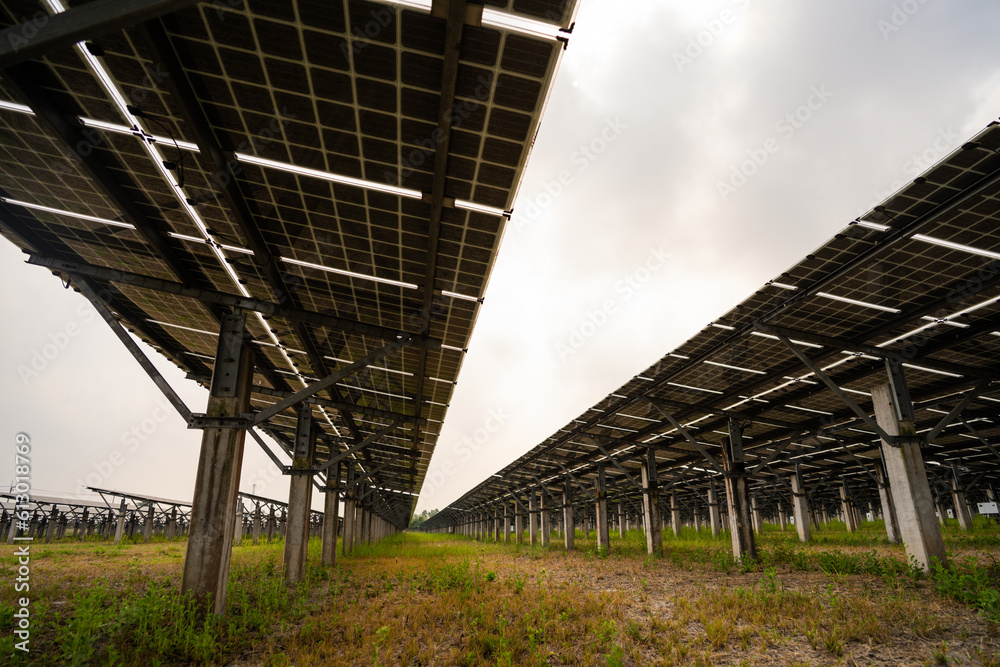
(420, 599)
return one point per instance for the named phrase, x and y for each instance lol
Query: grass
(416, 599)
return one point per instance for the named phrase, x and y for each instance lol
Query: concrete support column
(52, 523)
(651, 504)
(120, 528)
(845, 502)
(675, 514)
(213, 509)
(697, 516)
(621, 519)
(781, 514)
(331, 512)
(546, 518)
(942, 513)
(800, 510)
(888, 509)
(300, 496)
(533, 517)
(569, 531)
(911, 494)
(256, 528)
(519, 522)
(366, 518)
(497, 526)
(506, 522)
(147, 529)
(601, 509)
(757, 526)
(84, 523)
(740, 529)
(237, 525)
(350, 513)
(713, 510)
(958, 498)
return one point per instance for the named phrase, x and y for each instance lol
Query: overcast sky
(636, 225)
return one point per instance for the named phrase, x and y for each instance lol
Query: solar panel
(916, 278)
(349, 159)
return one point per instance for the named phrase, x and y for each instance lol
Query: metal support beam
(215, 297)
(832, 386)
(980, 387)
(687, 436)
(133, 348)
(355, 448)
(453, 28)
(36, 38)
(328, 381)
(871, 350)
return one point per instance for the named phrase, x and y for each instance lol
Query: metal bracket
(832, 386)
(227, 357)
(980, 387)
(204, 421)
(687, 436)
(900, 390)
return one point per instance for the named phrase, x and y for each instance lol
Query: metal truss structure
(298, 203)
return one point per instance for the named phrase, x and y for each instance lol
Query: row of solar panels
(916, 279)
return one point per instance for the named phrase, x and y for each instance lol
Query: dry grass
(442, 600)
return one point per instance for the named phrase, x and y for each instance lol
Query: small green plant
(517, 583)
(380, 636)
(970, 584)
(770, 581)
(940, 654)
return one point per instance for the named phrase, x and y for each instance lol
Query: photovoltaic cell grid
(327, 91)
(894, 278)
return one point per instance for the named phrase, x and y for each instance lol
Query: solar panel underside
(302, 97)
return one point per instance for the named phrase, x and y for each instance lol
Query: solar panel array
(334, 195)
(916, 278)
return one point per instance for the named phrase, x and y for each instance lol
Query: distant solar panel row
(916, 278)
